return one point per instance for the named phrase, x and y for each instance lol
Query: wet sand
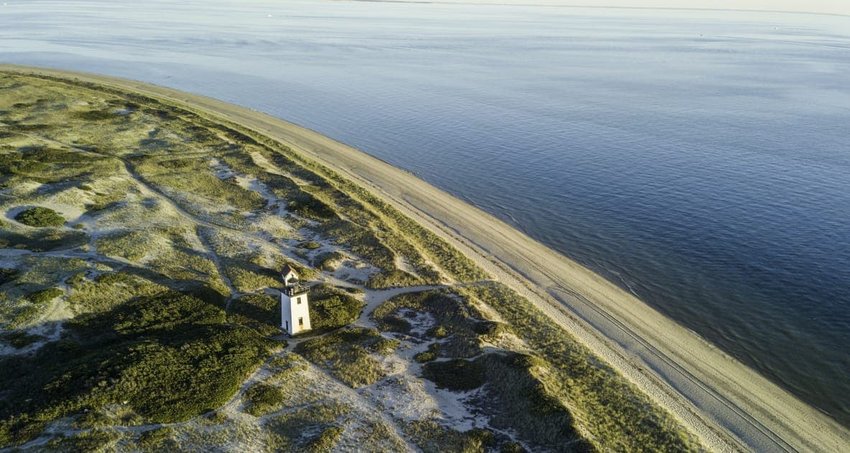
(726, 404)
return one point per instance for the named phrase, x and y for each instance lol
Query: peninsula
(142, 239)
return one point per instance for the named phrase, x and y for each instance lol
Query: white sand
(726, 404)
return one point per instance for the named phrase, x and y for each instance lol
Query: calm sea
(699, 159)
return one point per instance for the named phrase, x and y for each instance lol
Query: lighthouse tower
(294, 308)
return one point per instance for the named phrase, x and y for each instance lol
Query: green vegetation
(159, 439)
(310, 245)
(166, 357)
(130, 245)
(433, 437)
(248, 277)
(328, 261)
(455, 321)
(457, 374)
(516, 396)
(19, 339)
(427, 356)
(8, 275)
(258, 311)
(40, 217)
(184, 176)
(110, 290)
(262, 398)
(331, 308)
(604, 405)
(392, 279)
(346, 354)
(45, 295)
(94, 440)
(313, 428)
(50, 165)
(42, 239)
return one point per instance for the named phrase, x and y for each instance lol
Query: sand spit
(729, 406)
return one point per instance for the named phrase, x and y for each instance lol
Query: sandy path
(727, 404)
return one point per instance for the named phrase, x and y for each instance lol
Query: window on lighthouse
(298, 300)
(300, 321)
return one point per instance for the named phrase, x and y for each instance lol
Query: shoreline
(727, 405)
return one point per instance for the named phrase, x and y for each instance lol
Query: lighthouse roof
(287, 269)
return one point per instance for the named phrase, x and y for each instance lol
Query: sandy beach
(729, 406)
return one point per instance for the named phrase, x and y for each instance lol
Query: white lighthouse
(294, 308)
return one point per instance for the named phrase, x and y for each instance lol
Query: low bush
(262, 398)
(40, 217)
(310, 245)
(433, 437)
(167, 358)
(8, 275)
(331, 308)
(42, 239)
(326, 440)
(19, 339)
(258, 311)
(313, 428)
(45, 295)
(328, 261)
(158, 440)
(519, 399)
(457, 374)
(93, 440)
(392, 279)
(96, 115)
(429, 355)
(455, 320)
(345, 353)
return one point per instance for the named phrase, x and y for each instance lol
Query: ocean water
(699, 159)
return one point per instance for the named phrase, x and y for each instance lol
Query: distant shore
(830, 7)
(725, 403)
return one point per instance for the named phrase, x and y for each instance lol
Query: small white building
(294, 307)
(289, 275)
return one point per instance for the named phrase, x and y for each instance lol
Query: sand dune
(727, 404)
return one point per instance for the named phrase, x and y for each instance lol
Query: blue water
(699, 159)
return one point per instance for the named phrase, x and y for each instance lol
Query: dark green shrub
(310, 245)
(19, 339)
(429, 355)
(331, 308)
(159, 439)
(259, 311)
(326, 440)
(438, 332)
(262, 398)
(40, 217)
(167, 357)
(96, 115)
(457, 375)
(7, 275)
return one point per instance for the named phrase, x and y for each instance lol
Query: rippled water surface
(700, 159)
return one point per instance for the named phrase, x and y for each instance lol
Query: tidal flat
(140, 244)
